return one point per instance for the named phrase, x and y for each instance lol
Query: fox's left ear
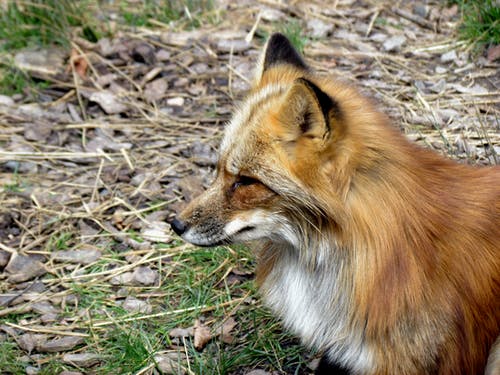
(307, 111)
(278, 50)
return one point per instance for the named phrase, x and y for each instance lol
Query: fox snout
(178, 226)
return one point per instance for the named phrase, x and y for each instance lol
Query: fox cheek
(252, 196)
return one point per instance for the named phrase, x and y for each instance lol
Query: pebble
(22, 268)
(82, 359)
(6, 100)
(176, 102)
(440, 69)
(394, 43)
(82, 256)
(145, 275)
(61, 344)
(134, 305)
(449, 56)
(319, 28)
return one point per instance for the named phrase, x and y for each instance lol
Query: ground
(124, 131)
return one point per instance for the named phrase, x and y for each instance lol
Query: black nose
(178, 226)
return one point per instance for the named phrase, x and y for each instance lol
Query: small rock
(22, 268)
(157, 231)
(272, 15)
(31, 370)
(49, 318)
(60, 344)
(4, 258)
(449, 56)
(44, 307)
(6, 101)
(82, 359)
(421, 10)
(30, 341)
(438, 87)
(319, 29)
(156, 89)
(170, 363)
(181, 332)
(108, 101)
(394, 43)
(447, 114)
(258, 372)
(378, 37)
(46, 61)
(493, 53)
(134, 305)
(145, 275)
(420, 86)
(181, 38)
(125, 278)
(176, 102)
(162, 55)
(440, 69)
(145, 53)
(235, 45)
(82, 256)
(37, 132)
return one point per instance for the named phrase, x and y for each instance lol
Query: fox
(379, 253)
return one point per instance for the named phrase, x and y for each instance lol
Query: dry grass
(74, 177)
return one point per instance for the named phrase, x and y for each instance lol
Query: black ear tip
(280, 50)
(278, 38)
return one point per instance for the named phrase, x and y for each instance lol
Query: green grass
(45, 22)
(192, 11)
(480, 21)
(196, 284)
(9, 358)
(294, 31)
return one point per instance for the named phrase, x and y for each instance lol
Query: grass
(480, 21)
(197, 283)
(294, 31)
(151, 12)
(45, 22)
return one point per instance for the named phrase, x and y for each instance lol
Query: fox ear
(278, 50)
(307, 111)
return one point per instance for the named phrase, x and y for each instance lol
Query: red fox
(381, 254)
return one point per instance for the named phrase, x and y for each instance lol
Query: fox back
(382, 254)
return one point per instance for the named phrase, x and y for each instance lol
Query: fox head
(283, 159)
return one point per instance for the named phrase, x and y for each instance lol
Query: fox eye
(243, 181)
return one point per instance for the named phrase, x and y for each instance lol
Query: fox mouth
(210, 241)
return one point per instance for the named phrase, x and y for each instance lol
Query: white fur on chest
(312, 305)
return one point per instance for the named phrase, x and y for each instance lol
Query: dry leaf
(82, 359)
(60, 344)
(226, 329)
(201, 335)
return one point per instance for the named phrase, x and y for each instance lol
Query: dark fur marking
(280, 51)
(327, 368)
(327, 104)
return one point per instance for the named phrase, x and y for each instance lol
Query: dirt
(127, 130)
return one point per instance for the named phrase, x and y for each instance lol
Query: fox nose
(178, 226)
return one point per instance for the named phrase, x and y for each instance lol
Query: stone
(134, 305)
(22, 268)
(394, 43)
(449, 56)
(82, 359)
(319, 28)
